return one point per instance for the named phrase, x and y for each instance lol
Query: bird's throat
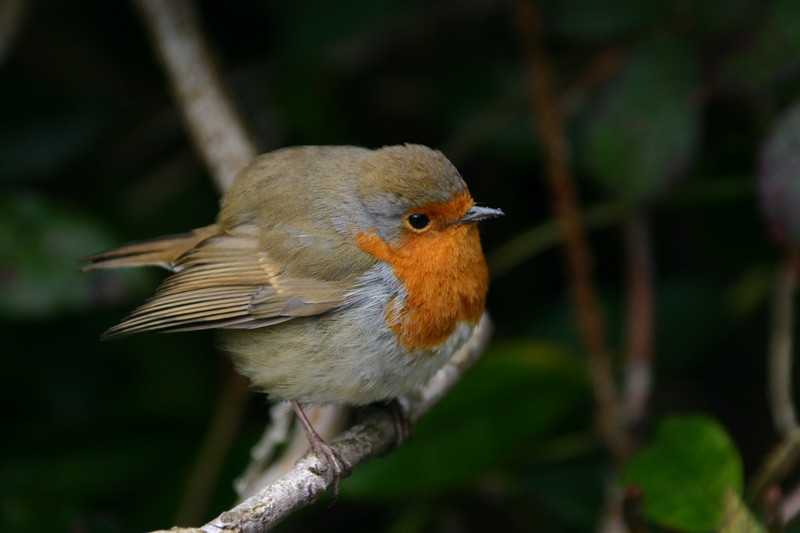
(445, 277)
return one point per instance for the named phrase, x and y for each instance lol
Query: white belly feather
(346, 356)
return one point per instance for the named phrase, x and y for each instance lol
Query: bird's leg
(334, 460)
(402, 422)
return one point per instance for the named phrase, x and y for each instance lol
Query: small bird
(336, 274)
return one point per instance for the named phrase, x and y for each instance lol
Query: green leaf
(519, 392)
(779, 178)
(738, 518)
(643, 132)
(685, 473)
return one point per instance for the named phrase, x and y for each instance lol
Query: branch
(787, 453)
(214, 449)
(213, 123)
(549, 118)
(12, 17)
(266, 465)
(372, 437)
(641, 319)
(778, 463)
(780, 352)
(790, 507)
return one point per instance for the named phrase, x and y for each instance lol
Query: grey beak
(477, 213)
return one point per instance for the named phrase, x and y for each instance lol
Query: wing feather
(161, 251)
(225, 281)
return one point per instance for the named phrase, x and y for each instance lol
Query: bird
(334, 275)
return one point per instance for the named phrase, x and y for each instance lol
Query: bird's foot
(338, 465)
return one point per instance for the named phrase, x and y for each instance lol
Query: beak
(477, 213)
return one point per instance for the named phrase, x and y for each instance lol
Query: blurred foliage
(639, 140)
(685, 474)
(737, 517)
(673, 107)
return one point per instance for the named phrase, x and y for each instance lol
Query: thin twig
(310, 477)
(778, 463)
(787, 454)
(12, 17)
(550, 121)
(220, 438)
(265, 451)
(328, 422)
(790, 506)
(780, 352)
(638, 373)
(211, 118)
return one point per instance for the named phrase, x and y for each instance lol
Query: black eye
(418, 221)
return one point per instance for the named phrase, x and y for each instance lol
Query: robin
(336, 274)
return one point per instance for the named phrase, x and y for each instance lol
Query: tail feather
(161, 251)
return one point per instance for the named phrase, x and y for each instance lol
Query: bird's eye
(418, 221)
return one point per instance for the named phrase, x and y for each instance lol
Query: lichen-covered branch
(218, 133)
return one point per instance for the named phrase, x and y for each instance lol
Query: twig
(310, 477)
(218, 441)
(632, 511)
(641, 322)
(12, 16)
(787, 454)
(550, 122)
(275, 434)
(776, 465)
(210, 116)
(780, 352)
(790, 506)
(773, 505)
(328, 421)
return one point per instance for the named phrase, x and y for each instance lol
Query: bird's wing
(163, 252)
(222, 280)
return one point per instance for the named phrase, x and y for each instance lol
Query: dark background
(102, 436)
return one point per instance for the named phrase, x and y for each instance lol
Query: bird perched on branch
(336, 274)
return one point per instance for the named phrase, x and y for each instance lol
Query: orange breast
(445, 275)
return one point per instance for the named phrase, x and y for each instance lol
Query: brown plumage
(221, 280)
